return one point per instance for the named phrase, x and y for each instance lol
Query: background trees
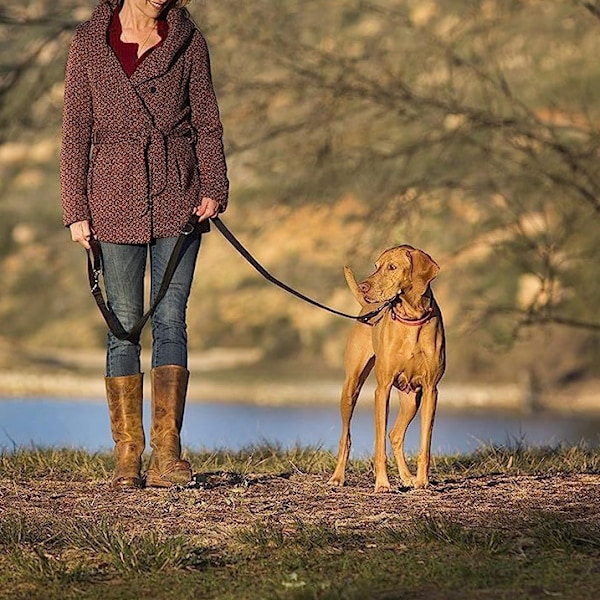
(469, 129)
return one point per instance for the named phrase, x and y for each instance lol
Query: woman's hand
(208, 209)
(81, 232)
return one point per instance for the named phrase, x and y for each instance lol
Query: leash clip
(94, 265)
(366, 318)
(96, 283)
(387, 304)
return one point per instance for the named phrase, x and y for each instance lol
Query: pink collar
(414, 322)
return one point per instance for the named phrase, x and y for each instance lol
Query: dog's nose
(364, 287)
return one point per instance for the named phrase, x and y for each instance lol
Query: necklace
(143, 44)
(141, 48)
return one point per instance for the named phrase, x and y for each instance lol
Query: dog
(403, 340)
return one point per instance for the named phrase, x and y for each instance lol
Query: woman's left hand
(208, 209)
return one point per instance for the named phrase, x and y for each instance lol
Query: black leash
(95, 272)
(242, 250)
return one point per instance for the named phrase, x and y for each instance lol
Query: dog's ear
(424, 270)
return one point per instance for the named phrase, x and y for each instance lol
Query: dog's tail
(351, 281)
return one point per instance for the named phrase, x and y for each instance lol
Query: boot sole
(128, 483)
(154, 479)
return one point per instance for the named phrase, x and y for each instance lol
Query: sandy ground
(222, 504)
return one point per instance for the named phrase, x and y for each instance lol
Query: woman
(142, 150)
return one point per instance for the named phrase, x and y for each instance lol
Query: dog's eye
(392, 267)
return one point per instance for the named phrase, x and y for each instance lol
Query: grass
(259, 523)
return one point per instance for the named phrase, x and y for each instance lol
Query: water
(213, 426)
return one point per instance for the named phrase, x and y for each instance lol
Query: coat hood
(181, 28)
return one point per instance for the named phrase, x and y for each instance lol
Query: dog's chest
(407, 352)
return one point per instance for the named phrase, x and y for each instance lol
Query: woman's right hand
(81, 232)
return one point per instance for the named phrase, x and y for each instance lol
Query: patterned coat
(139, 153)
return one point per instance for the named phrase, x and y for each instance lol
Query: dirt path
(223, 504)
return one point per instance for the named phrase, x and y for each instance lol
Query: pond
(41, 423)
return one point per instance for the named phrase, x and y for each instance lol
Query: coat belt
(154, 143)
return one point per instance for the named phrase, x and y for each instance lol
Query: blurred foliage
(467, 128)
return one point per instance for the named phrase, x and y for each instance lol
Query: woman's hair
(176, 3)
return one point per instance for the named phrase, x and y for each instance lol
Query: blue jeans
(124, 268)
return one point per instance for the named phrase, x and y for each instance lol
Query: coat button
(153, 90)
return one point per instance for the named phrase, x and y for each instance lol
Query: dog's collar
(424, 318)
(415, 322)
(391, 304)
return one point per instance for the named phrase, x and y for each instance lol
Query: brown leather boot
(169, 388)
(124, 395)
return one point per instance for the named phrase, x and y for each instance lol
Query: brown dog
(404, 341)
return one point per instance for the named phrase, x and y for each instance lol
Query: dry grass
(261, 523)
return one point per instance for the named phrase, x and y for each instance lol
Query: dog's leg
(409, 404)
(382, 399)
(428, 406)
(359, 361)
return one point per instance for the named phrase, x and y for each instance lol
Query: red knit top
(127, 53)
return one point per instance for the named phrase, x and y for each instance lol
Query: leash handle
(249, 258)
(94, 265)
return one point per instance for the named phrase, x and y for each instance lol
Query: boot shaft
(125, 398)
(169, 389)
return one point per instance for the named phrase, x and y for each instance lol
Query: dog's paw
(421, 484)
(336, 481)
(382, 489)
(408, 481)
(383, 486)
